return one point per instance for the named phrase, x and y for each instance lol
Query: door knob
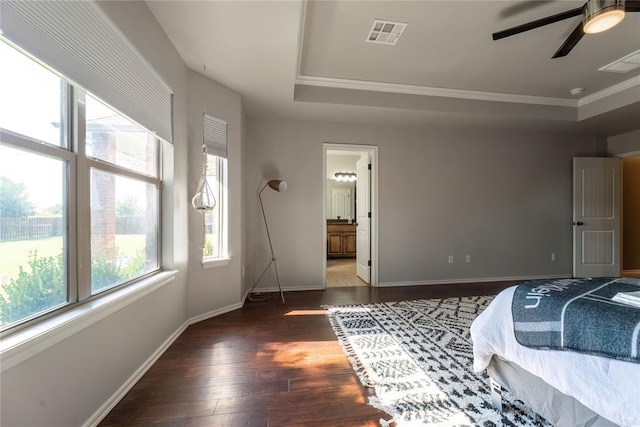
(578, 223)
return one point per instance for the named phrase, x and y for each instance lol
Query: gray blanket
(578, 315)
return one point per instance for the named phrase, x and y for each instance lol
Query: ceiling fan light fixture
(602, 15)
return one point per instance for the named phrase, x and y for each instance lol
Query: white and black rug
(417, 355)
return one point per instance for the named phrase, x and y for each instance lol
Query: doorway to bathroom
(350, 215)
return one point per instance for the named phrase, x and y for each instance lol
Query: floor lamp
(281, 187)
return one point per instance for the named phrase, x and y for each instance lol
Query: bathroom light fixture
(345, 176)
(602, 15)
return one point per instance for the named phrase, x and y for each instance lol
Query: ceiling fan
(597, 16)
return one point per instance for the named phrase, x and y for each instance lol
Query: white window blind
(215, 135)
(81, 41)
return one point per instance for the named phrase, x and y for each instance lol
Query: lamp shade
(278, 185)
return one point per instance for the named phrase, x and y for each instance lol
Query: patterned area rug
(417, 355)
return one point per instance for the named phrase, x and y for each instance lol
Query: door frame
(372, 150)
(623, 272)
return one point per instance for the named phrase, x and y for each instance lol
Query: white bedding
(607, 386)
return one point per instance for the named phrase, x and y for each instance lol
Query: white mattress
(609, 387)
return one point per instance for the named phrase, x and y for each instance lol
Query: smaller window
(215, 221)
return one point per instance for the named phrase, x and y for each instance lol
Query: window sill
(215, 262)
(17, 347)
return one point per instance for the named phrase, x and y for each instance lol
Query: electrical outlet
(553, 256)
(243, 270)
(468, 258)
(450, 259)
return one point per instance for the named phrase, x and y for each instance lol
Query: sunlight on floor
(306, 313)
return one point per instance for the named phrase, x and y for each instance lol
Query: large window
(79, 193)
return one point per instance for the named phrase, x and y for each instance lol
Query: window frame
(77, 201)
(33, 146)
(222, 208)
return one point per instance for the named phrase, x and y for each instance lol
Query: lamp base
(258, 296)
(250, 296)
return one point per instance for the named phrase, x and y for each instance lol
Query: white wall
(66, 383)
(220, 287)
(502, 197)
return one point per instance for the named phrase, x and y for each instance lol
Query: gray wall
(66, 383)
(215, 288)
(502, 197)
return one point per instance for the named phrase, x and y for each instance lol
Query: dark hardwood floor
(267, 364)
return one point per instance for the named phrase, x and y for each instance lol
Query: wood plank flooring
(267, 364)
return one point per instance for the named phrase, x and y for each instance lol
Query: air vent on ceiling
(623, 65)
(385, 32)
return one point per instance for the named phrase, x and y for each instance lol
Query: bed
(566, 387)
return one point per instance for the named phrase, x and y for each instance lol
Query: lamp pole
(276, 186)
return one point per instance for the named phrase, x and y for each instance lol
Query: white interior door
(363, 210)
(341, 203)
(596, 217)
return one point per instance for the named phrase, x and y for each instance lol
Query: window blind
(215, 135)
(79, 40)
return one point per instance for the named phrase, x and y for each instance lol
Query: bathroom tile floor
(341, 273)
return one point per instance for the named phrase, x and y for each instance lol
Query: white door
(596, 217)
(341, 203)
(363, 210)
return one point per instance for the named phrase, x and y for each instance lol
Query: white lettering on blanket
(543, 290)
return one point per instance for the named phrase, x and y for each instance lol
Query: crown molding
(330, 82)
(611, 90)
(301, 26)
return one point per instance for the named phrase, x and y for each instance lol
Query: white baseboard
(275, 289)
(477, 280)
(214, 313)
(106, 407)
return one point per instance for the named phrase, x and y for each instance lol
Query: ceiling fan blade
(570, 42)
(522, 6)
(537, 23)
(632, 6)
